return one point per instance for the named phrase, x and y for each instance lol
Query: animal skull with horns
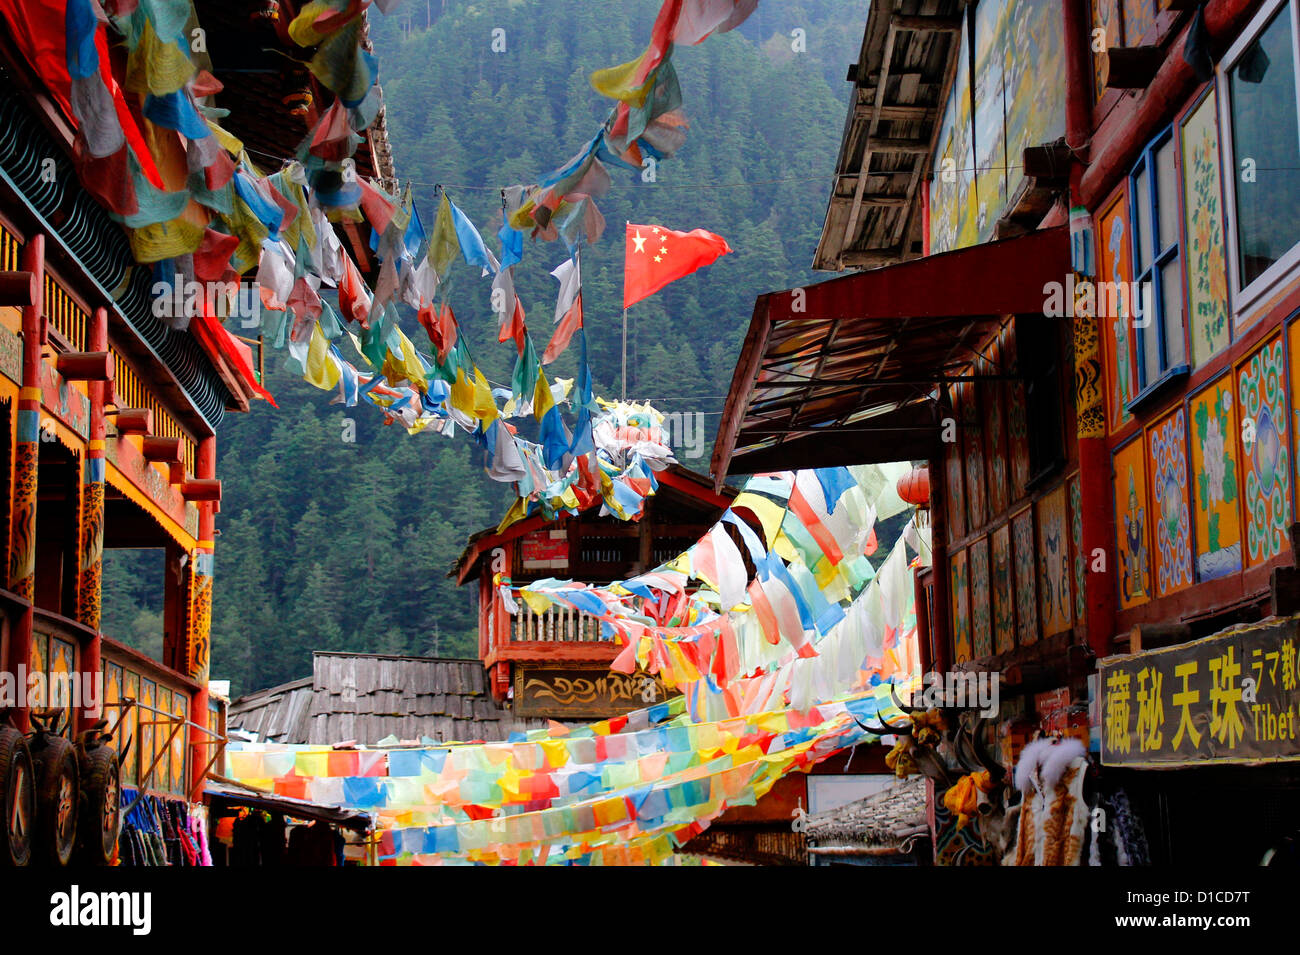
(945, 744)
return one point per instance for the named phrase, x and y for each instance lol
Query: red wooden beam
(134, 421)
(162, 450)
(85, 365)
(201, 489)
(19, 289)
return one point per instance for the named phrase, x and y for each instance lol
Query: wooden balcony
(557, 625)
(559, 634)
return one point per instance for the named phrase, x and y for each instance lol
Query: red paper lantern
(914, 487)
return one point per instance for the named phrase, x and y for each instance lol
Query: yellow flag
(462, 393)
(322, 368)
(769, 513)
(539, 603)
(485, 406)
(616, 82)
(518, 511)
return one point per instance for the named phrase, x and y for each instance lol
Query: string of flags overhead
(625, 791)
(152, 148)
(759, 700)
(795, 613)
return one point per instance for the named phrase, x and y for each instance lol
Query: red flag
(570, 323)
(440, 323)
(656, 256)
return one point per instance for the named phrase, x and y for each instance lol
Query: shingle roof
(368, 696)
(891, 818)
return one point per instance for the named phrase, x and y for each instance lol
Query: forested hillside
(330, 543)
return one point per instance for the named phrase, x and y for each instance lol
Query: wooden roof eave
(842, 242)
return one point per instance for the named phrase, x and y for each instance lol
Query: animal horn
(885, 729)
(963, 750)
(900, 704)
(996, 770)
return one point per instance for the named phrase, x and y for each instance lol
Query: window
(1263, 151)
(1157, 270)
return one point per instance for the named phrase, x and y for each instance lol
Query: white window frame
(1242, 299)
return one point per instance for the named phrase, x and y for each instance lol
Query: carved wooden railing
(558, 624)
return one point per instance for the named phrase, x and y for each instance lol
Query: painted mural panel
(995, 437)
(1054, 570)
(960, 581)
(161, 778)
(1131, 524)
(954, 478)
(1139, 19)
(1293, 344)
(180, 708)
(1024, 553)
(1114, 264)
(146, 719)
(981, 609)
(952, 191)
(990, 117)
(1105, 17)
(1004, 604)
(976, 477)
(1266, 466)
(1171, 528)
(1017, 421)
(1033, 46)
(39, 658)
(63, 664)
(1207, 275)
(131, 729)
(113, 696)
(984, 130)
(1076, 547)
(1215, 466)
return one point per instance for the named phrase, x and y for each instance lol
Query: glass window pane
(1150, 352)
(1266, 144)
(1171, 286)
(1141, 220)
(1167, 194)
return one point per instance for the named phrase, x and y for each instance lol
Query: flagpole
(626, 223)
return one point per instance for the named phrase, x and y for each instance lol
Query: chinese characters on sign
(1231, 697)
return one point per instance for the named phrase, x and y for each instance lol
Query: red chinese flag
(656, 256)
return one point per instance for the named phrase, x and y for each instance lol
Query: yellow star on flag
(639, 239)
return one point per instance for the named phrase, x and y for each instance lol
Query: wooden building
(110, 412)
(534, 661)
(1078, 306)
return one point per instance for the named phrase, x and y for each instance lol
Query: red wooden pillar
(1095, 490)
(198, 643)
(22, 550)
(199, 620)
(941, 613)
(89, 584)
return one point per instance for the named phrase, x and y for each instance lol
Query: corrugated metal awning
(848, 371)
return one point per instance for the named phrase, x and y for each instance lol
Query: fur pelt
(1043, 762)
